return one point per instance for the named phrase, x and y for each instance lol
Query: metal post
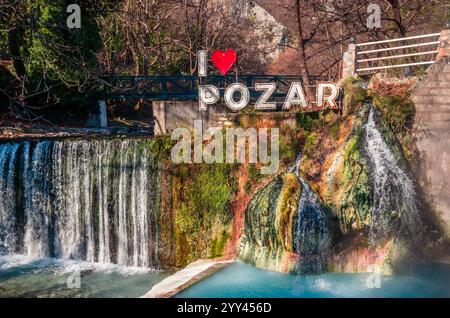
(444, 44)
(103, 114)
(202, 63)
(349, 62)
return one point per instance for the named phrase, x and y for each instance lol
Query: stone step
(433, 85)
(439, 100)
(432, 109)
(438, 91)
(440, 117)
(438, 127)
(443, 76)
(436, 87)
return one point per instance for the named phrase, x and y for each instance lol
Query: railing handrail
(399, 39)
(393, 66)
(399, 47)
(371, 56)
(397, 56)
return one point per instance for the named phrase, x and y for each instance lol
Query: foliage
(397, 111)
(393, 100)
(289, 146)
(307, 121)
(204, 211)
(310, 144)
(335, 129)
(52, 63)
(218, 244)
(161, 147)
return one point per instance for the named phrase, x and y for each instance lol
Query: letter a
(74, 19)
(295, 96)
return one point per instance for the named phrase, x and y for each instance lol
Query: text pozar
(327, 96)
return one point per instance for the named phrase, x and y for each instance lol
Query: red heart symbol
(223, 61)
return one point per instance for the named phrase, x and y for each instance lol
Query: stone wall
(432, 122)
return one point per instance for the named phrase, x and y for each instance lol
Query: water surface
(23, 276)
(242, 280)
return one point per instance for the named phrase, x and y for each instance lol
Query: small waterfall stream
(80, 199)
(395, 205)
(312, 238)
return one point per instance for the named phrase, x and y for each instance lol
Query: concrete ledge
(13, 134)
(186, 277)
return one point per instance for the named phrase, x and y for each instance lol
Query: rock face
(365, 212)
(432, 122)
(375, 197)
(286, 227)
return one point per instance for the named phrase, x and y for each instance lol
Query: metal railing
(180, 87)
(406, 55)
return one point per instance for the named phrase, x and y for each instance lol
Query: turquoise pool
(242, 280)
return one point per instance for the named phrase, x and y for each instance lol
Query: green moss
(218, 244)
(396, 125)
(350, 190)
(203, 208)
(354, 95)
(286, 211)
(161, 147)
(288, 146)
(207, 193)
(259, 244)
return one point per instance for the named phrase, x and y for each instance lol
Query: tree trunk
(398, 17)
(301, 51)
(14, 50)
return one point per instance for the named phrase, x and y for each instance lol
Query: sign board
(237, 96)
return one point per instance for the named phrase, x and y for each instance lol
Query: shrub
(398, 111)
(335, 130)
(307, 121)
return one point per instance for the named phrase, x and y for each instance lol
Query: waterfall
(8, 159)
(395, 196)
(37, 190)
(91, 200)
(312, 238)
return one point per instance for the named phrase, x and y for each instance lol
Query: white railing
(366, 61)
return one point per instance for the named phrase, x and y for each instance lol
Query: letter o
(245, 96)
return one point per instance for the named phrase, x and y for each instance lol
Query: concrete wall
(432, 99)
(172, 114)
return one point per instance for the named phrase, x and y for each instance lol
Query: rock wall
(432, 122)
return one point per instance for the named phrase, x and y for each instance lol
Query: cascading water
(80, 199)
(312, 238)
(395, 196)
(8, 219)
